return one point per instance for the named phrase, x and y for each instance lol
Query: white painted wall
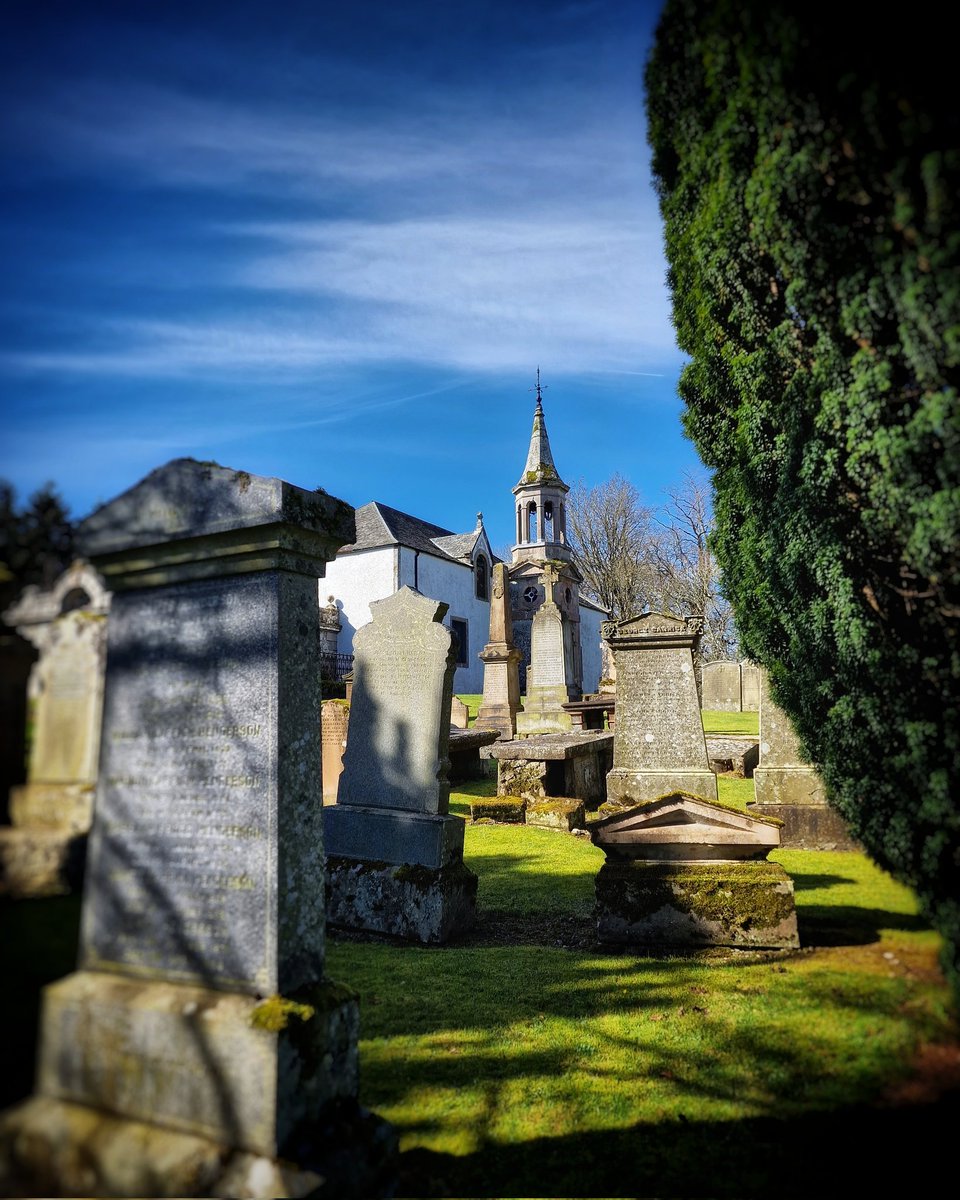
(362, 576)
(590, 622)
(354, 580)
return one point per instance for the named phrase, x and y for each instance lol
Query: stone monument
(199, 1049)
(749, 686)
(789, 788)
(687, 871)
(658, 741)
(394, 854)
(501, 659)
(720, 687)
(42, 853)
(548, 680)
(334, 725)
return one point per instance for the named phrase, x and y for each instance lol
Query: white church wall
(453, 583)
(354, 580)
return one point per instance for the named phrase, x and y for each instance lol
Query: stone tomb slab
(572, 765)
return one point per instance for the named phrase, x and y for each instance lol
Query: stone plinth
(787, 787)
(687, 871)
(201, 1009)
(51, 811)
(572, 765)
(393, 800)
(659, 744)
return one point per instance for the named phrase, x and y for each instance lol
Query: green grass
(533, 1063)
(523, 1059)
(730, 722)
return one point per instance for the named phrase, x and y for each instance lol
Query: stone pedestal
(790, 789)
(501, 664)
(200, 1049)
(394, 854)
(659, 744)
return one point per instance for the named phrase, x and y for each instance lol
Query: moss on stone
(274, 1013)
(505, 809)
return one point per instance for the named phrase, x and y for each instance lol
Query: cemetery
(316, 954)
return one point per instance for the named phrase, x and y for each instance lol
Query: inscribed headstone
(204, 901)
(658, 744)
(720, 689)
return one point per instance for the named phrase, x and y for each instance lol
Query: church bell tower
(541, 514)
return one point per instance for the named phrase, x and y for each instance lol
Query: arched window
(482, 577)
(74, 599)
(547, 521)
(532, 521)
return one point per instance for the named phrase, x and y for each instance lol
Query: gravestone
(548, 686)
(658, 740)
(199, 1049)
(459, 713)
(608, 670)
(501, 663)
(789, 788)
(749, 686)
(394, 853)
(687, 871)
(334, 723)
(42, 853)
(720, 687)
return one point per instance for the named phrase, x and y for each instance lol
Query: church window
(548, 522)
(459, 629)
(482, 578)
(532, 521)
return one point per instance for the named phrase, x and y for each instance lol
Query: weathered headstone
(658, 741)
(42, 853)
(501, 659)
(394, 854)
(608, 670)
(334, 724)
(720, 687)
(789, 788)
(749, 686)
(548, 679)
(199, 1049)
(683, 870)
(459, 713)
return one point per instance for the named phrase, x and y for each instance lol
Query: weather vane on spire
(538, 388)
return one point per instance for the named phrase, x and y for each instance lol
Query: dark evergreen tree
(36, 540)
(808, 171)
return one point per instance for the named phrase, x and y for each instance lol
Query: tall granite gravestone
(548, 679)
(199, 1049)
(790, 789)
(501, 664)
(43, 851)
(720, 687)
(658, 741)
(394, 854)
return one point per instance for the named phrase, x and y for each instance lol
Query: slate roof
(380, 525)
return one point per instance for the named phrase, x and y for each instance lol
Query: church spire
(540, 467)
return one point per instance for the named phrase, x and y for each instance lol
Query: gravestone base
(162, 1089)
(808, 826)
(556, 812)
(741, 904)
(503, 810)
(58, 1148)
(788, 785)
(392, 835)
(409, 901)
(41, 862)
(64, 806)
(543, 712)
(626, 787)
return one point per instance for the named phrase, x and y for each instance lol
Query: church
(394, 549)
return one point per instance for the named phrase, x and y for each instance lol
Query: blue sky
(333, 242)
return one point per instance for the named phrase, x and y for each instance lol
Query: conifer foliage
(808, 175)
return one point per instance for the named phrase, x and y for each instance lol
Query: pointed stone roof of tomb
(379, 525)
(540, 467)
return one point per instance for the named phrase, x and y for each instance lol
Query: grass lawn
(730, 722)
(524, 1060)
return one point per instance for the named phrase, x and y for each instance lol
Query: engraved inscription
(181, 857)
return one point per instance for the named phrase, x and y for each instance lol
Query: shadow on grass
(854, 1151)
